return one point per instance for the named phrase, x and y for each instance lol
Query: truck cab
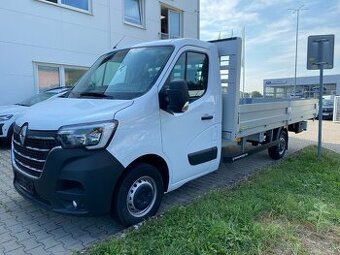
(141, 122)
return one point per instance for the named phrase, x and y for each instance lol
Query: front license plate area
(25, 183)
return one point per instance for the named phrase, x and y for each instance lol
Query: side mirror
(175, 99)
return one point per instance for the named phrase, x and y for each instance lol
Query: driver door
(189, 139)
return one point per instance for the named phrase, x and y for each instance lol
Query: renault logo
(22, 134)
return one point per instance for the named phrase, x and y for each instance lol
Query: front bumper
(73, 176)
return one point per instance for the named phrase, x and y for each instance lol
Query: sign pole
(320, 111)
(320, 56)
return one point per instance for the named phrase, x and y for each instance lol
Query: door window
(193, 68)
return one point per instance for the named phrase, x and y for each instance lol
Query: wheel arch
(277, 132)
(151, 159)
(154, 160)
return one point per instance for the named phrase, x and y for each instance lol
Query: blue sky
(270, 33)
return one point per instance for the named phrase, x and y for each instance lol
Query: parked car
(316, 91)
(8, 113)
(327, 107)
(296, 94)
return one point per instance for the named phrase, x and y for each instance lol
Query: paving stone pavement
(28, 229)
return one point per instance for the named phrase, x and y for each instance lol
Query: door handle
(207, 117)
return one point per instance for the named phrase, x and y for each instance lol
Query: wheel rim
(141, 196)
(282, 145)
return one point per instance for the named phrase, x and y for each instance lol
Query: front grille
(31, 156)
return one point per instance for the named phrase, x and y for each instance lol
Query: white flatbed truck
(143, 121)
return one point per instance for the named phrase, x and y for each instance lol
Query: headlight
(91, 136)
(6, 117)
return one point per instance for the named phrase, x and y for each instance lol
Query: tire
(278, 151)
(138, 195)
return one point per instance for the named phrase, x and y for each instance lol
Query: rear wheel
(279, 150)
(138, 195)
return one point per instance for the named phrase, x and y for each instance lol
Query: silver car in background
(9, 113)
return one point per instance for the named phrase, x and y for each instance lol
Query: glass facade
(301, 91)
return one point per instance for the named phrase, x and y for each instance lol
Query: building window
(48, 77)
(171, 23)
(77, 4)
(193, 68)
(53, 76)
(80, 4)
(134, 12)
(72, 75)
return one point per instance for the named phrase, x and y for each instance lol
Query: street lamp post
(297, 11)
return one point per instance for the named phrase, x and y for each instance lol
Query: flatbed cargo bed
(243, 117)
(259, 117)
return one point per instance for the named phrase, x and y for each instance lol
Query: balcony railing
(164, 36)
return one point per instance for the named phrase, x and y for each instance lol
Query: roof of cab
(177, 43)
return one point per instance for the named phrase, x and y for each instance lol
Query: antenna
(121, 39)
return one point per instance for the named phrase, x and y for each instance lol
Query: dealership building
(51, 43)
(306, 87)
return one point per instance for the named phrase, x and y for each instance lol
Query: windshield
(327, 102)
(123, 74)
(37, 98)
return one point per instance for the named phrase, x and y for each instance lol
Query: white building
(48, 43)
(305, 86)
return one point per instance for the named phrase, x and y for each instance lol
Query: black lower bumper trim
(74, 181)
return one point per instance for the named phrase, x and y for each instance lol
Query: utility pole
(297, 11)
(243, 59)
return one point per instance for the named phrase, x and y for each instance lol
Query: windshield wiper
(95, 94)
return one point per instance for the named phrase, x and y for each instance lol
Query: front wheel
(278, 151)
(138, 195)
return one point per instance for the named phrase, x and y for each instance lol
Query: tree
(255, 94)
(246, 94)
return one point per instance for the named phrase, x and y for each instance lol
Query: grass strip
(292, 207)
